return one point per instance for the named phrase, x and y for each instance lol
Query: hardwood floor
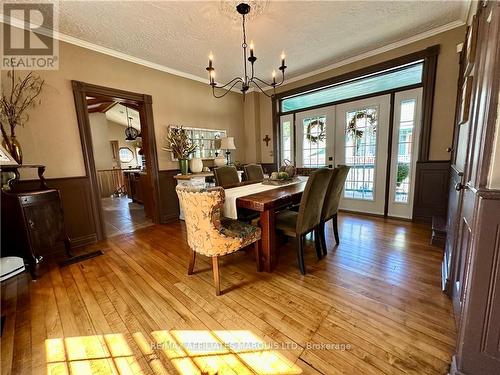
(372, 306)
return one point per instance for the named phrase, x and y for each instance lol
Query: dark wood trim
(431, 189)
(430, 57)
(389, 155)
(401, 60)
(276, 131)
(144, 102)
(354, 98)
(429, 83)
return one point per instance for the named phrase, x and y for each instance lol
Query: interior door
(458, 229)
(361, 142)
(315, 137)
(405, 137)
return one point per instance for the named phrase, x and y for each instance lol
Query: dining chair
(209, 233)
(254, 172)
(226, 175)
(307, 219)
(331, 204)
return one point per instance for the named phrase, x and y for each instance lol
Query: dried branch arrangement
(178, 142)
(16, 103)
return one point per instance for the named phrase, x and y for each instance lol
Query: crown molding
(365, 55)
(123, 56)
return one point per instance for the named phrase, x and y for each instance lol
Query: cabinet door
(43, 220)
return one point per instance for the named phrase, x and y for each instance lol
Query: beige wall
(445, 92)
(51, 135)
(116, 132)
(100, 141)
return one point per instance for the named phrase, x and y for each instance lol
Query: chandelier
(247, 79)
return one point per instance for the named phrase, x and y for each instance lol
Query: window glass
(390, 79)
(361, 152)
(405, 149)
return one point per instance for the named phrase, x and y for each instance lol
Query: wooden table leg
(268, 242)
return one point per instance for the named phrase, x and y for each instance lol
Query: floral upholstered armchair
(209, 233)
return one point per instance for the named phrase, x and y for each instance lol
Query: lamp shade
(227, 143)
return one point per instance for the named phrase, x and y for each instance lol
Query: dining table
(267, 203)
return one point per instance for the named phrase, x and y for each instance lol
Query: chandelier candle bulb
(274, 77)
(283, 59)
(251, 48)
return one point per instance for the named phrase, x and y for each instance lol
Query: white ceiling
(180, 34)
(118, 114)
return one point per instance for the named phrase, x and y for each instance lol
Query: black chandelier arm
(260, 88)
(227, 90)
(235, 80)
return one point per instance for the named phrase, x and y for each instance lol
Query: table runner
(233, 193)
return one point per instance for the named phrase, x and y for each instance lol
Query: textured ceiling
(180, 35)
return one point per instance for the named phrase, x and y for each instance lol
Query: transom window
(361, 152)
(401, 76)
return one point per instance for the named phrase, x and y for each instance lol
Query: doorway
(120, 157)
(120, 164)
(377, 137)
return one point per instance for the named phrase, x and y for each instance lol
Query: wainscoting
(431, 189)
(169, 204)
(75, 194)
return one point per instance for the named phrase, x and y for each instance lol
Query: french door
(405, 138)
(314, 138)
(362, 134)
(357, 134)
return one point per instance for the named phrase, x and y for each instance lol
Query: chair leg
(335, 229)
(257, 255)
(300, 254)
(322, 237)
(215, 270)
(317, 243)
(192, 257)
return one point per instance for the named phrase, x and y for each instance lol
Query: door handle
(449, 149)
(459, 186)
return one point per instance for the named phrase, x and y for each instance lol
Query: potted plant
(178, 143)
(14, 106)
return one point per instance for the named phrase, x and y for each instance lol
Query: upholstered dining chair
(331, 204)
(226, 175)
(307, 219)
(254, 172)
(209, 233)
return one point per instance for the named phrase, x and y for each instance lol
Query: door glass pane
(361, 152)
(314, 142)
(405, 148)
(286, 141)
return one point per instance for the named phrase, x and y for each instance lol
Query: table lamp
(227, 143)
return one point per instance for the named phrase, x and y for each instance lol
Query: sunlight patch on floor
(189, 351)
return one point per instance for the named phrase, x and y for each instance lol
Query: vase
(196, 165)
(219, 161)
(184, 166)
(16, 151)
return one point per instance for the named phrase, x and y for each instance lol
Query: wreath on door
(351, 126)
(320, 133)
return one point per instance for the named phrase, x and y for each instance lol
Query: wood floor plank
(377, 292)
